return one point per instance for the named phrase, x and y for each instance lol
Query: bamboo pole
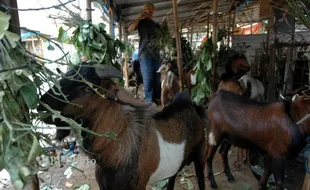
(208, 25)
(229, 27)
(125, 66)
(214, 42)
(88, 10)
(233, 25)
(192, 33)
(178, 43)
(120, 31)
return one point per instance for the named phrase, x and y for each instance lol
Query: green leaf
(13, 38)
(63, 35)
(34, 151)
(50, 47)
(4, 23)
(29, 93)
(96, 45)
(111, 135)
(209, 65)
(37, 81)
(101, 27)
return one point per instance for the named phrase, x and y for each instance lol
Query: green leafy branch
(203, 73)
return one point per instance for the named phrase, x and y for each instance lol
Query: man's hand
(143, 15)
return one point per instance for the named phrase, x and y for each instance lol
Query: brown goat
(151, 145)
(267, 127)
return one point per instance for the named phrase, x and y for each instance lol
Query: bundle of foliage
(167, 46)
(19, 78)
(203, 67)
(164, 41)
(203, 71)
(92, 42)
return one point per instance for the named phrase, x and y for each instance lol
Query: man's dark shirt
(147, 32)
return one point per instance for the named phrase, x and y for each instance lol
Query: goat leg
(171, 182)
(267, 172)
(199, 162)
(278, 165)
(225, 146)
(210, 155)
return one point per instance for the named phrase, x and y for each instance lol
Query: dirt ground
(245, 180)
(57, 178)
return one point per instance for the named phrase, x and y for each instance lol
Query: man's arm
(134, 24)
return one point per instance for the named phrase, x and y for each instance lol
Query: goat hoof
(231, 179)
(213, 185)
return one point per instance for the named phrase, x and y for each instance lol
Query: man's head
(149, 9)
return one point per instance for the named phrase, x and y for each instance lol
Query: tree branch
(43, 8)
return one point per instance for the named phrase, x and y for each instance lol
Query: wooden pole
(88, 10)
(192, 33)
(233, 25)
(125, 66)
(252, 13)
(178, 43)
(214, 42)
(111, 19)
(208, 25)
(120, 30)
(270, 75)
(229, 27)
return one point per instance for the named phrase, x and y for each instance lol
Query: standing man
(148, 54)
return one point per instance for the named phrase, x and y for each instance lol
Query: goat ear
(161, 68)
(282, 97)
(107, 71)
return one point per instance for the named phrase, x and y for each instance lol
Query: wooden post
(288, 74)
(271, 85)
(252, 13)
(111, 28)
(208, 25)
(120, 30)
(125, 66)
(178, 42)
(214, 42)
(14, 21)
(88, 10)
(228, 28)
(192, 33)
(270, 30)
(233, 25)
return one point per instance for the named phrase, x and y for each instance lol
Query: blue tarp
(28, 34)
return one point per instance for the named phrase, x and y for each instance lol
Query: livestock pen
(126, 143)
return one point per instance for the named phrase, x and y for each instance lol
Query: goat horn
(107, 71)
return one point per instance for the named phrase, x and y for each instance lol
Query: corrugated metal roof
(190, 12)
